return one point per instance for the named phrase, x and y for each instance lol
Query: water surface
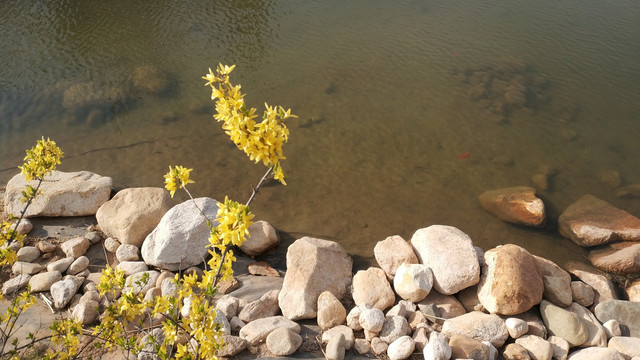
(383, 94)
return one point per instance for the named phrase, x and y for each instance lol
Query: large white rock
(450, 255)
(180, 240)
(61, 194)
(437, 348)
(133, 213)
(401, 348)
(62, 292)
(413, 281)
(313, 266)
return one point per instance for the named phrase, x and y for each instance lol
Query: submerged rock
(518, 205)
(590, 221)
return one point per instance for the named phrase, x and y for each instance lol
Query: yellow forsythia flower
(177, 178)
(41, 159)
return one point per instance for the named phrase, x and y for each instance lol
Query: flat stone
(258, 330)
(393, 251)
(627, 313)
(518, 205)
(591, 221)
(133, 213)
(14, 284)
(283, 342)
(181, 238)
(446, 306)
(313, 266)
(21, 267)
(61, 194)
(265, 306)
(511, 281)
(621, 258)
(479, 326)
(450, 254)
(43, 281)
(261, 268)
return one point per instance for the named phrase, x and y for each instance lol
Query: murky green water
(387, 98)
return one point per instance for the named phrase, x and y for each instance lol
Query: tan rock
(537, 347)
(621, 258)
(464, 347)
(258, 330)
(563, 323)
(511, 281)
(591, 221)
(371, 287)
(313, 266)
(518, 205)
(283, 342)
(603, 287)
(582, 293)
(262, 237)
(75, 247)
(557, 282)
(560, 347)
(261, 268)
(265, 306)
(597, 335)
(62, 194)
(479, 326)
(450, 254)
(447, 305)
(633, 291)
(515, 352)
(330, 311)
(413, 282)
(393, 251)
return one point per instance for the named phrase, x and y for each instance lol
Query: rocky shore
(436, 296)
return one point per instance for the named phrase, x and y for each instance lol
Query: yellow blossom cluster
(177, 178)
(41, 160)
(261, 141)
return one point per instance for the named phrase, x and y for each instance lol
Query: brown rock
(591, 221)
(621, 258)
(464, 347)
(261, 268)
(515, 352)
(511, 281)
(133, 213)
(633, 291)
(392, 252)
(518, 205)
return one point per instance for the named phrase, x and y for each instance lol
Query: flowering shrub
(180, 325)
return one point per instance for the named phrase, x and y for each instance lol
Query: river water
(408, 110)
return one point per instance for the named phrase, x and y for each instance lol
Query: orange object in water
(463, 156)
